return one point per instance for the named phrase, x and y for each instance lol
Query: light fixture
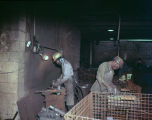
(44, 57)
(28, 44)
(110, 30)
(111, 38)
(36, 47)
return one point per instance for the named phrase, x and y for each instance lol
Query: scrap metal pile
(50, 114)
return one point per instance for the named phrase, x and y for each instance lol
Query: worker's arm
(100, 75)
(67, 72)
(61, 80)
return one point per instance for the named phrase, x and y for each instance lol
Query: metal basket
(108, 106)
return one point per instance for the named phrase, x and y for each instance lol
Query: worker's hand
(54, 83)
(109, 89)
(113, 90)
(116, 91)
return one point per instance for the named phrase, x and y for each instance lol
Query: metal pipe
(57, 110)
(91, 52)
(49, 48)
(118, 35)
(34, 26)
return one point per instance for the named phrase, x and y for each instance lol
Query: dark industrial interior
(87, 33)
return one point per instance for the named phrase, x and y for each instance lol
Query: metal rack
(108, 106)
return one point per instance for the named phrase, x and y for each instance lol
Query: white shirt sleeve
(67, 72)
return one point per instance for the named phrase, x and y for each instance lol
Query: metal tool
(57, 110)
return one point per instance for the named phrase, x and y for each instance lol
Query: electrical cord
(77, 91)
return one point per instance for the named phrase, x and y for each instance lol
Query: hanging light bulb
(28, 44)
(34, 49)
(110, 30)
(45, 57)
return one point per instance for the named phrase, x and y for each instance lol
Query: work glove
(113, 90)
(109, 89)
(54, 83)
(116, 91)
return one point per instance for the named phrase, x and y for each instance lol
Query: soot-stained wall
(51, 33)
(58, 35)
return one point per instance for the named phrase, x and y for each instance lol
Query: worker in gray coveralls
(65, 78)
(105, 75)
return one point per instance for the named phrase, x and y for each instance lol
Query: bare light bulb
(28, 44)
(110, 30)
(45, 57)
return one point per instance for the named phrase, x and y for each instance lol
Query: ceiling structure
(135, 20)
(95, 17)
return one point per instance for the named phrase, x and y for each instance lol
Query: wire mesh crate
(108, 106)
